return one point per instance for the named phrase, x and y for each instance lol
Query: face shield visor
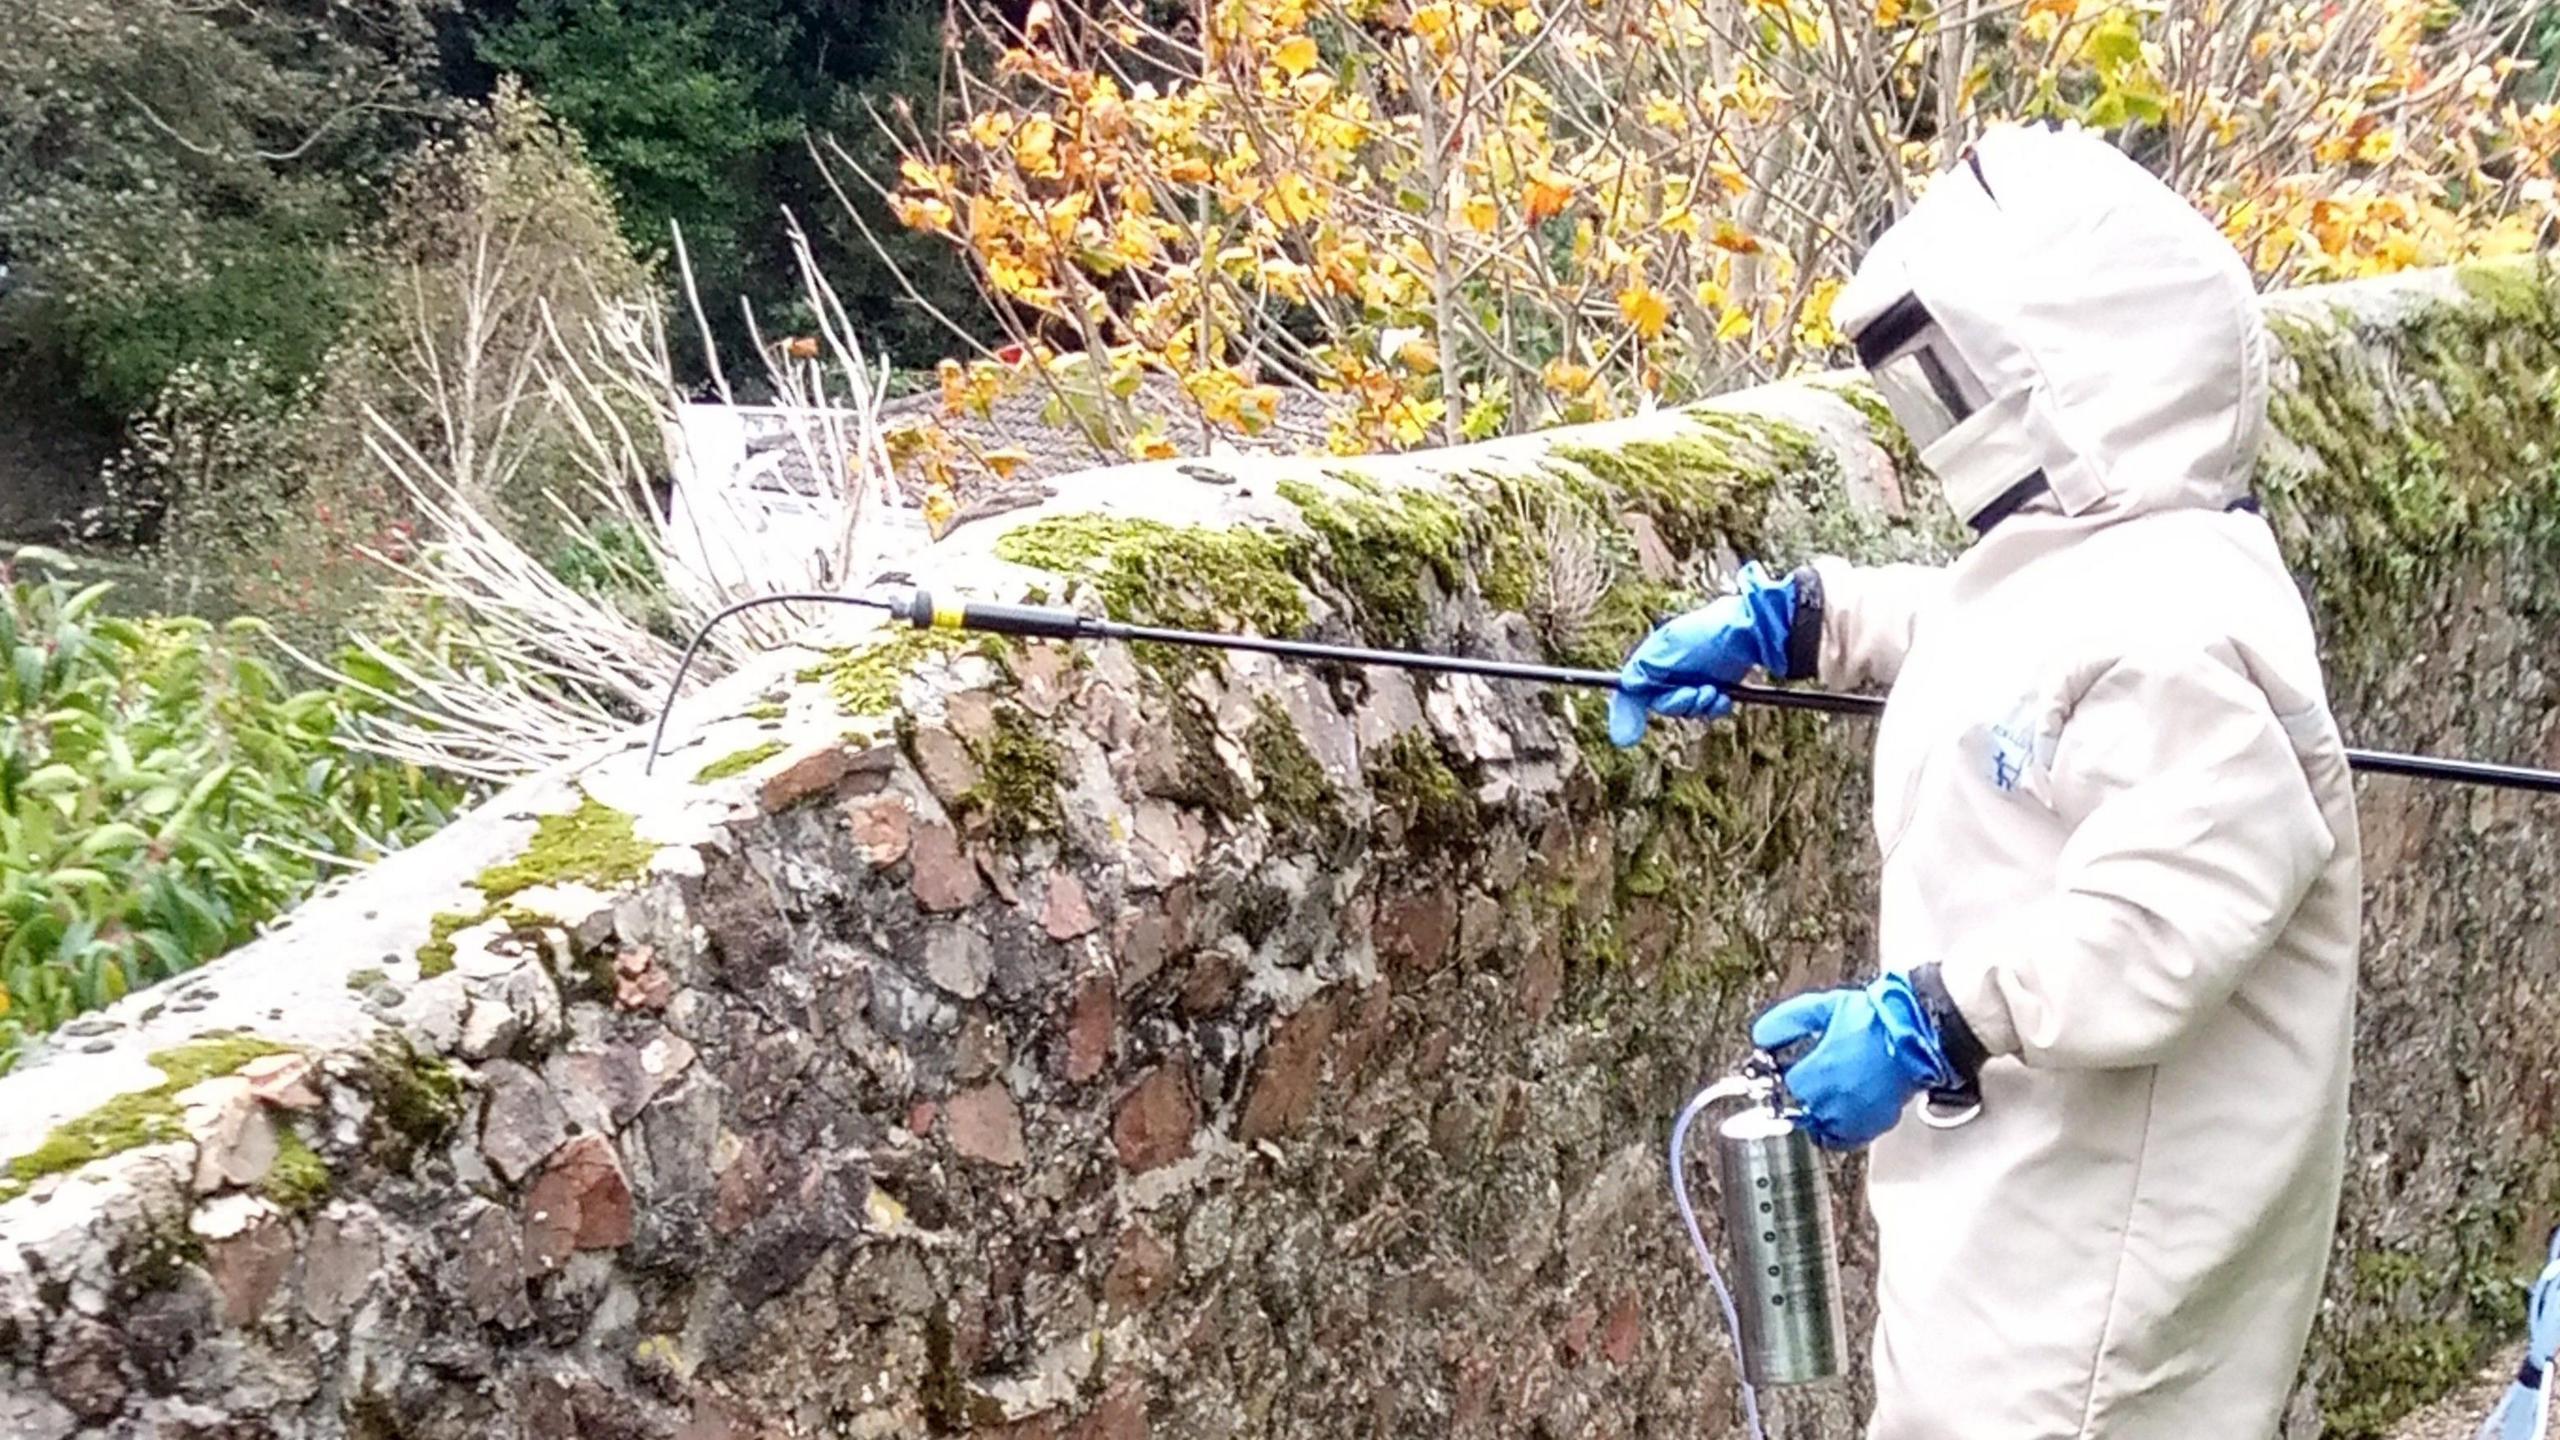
(1923, 380)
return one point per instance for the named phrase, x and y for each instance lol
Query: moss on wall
(436, 956)
(1412, 780)
(1151, 573)
(594, 844)
(737, 762)
(1708, 486)
(417, 1099)
(864, 679)
(2387, 1373)
(1019, 771)
(137, 1118)
(2395, 476)
(1376, 547)
(299, 1180)
(2400, 466)
(1295, 796)
(1673, 885)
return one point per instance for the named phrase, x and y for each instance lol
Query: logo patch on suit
(2016, 744)
(2010, 752)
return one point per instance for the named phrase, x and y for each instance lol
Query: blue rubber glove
(2520, 1414)
(1874, 1049)
(1679, 668)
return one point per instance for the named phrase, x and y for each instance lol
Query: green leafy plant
(162, 793)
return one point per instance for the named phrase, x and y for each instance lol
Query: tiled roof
(778, 455)
(1303, 421)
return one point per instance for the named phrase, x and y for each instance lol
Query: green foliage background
(163, 792)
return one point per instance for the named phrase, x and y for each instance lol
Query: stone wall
(963, 1037)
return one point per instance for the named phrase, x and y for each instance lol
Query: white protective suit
(2115, 810)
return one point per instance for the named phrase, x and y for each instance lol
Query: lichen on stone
(365, 979)
(594, 844)
(738, 762)
(136, 1118)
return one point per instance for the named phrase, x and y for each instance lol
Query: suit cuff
(1959, 1038)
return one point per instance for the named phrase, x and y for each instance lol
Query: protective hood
(2093, 343)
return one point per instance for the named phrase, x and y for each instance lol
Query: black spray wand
(1046, 622)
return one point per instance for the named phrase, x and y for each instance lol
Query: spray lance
(1048, 622)
(1782, 1312)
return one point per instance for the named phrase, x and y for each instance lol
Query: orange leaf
(1546, 195)
(1729, 236)
(1297, 57)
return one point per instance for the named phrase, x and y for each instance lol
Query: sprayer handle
(1046, 622)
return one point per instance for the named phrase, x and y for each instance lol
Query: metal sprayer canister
(1777, 1218)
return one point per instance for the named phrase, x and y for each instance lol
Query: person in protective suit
(2119, 883)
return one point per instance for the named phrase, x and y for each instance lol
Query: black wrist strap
(1963, 1049)
(1804, 636)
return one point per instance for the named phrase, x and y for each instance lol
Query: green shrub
(162, 793)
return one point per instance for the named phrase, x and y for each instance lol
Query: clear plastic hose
(1725, 1089)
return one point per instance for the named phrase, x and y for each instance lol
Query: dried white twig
(501, 667)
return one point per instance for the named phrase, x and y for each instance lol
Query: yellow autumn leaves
(1464, 217)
